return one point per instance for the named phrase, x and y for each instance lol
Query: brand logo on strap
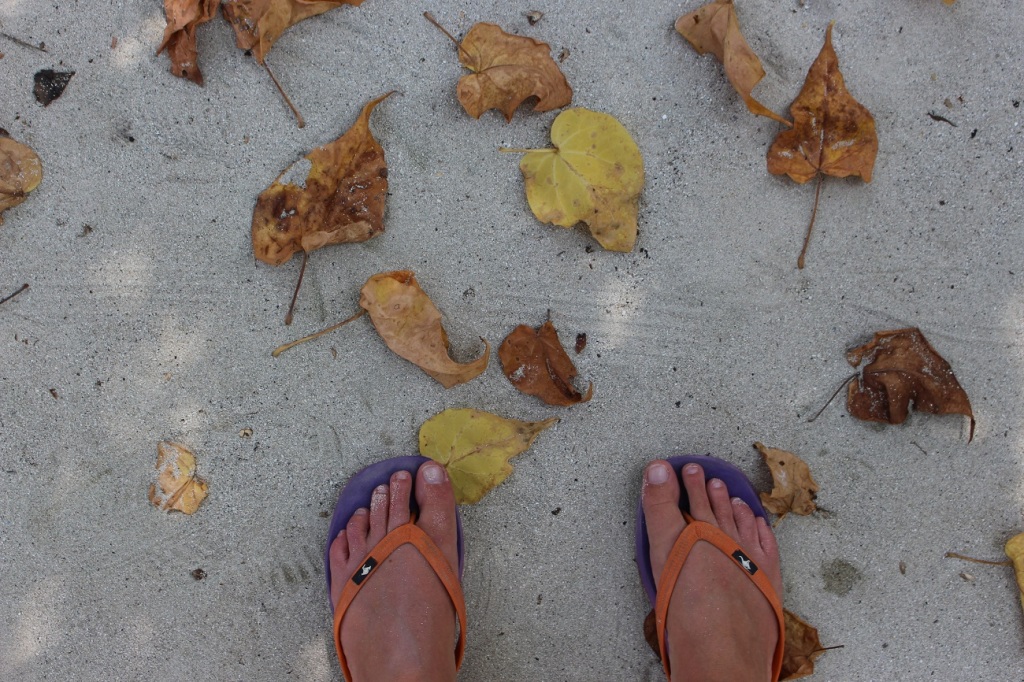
(364, 570)
(744, 561)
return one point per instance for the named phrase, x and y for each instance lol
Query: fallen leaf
(651, 632)
(259, 23)
(833, 134)
(536, 364)
(20, 172)
(902, 368)
(793, 487)
(594, 174)
(183, 18)
(50, 84)
(507, 70)
(177, 487)
(802, 648)
(581, 342)
(1015, 551)
(534, 16)
(410, 325)
(333, 195)
(475, 448)
(715, 28)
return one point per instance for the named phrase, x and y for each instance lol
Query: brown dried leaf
(832, 133)
(410, 325)
(507, 70)
(651, 632)
(794, 489)
(715, 28)
(183, 17)
(259, 23)
(802, 648)
(902, 368)
(536, 364)
(21, 171)
(177, 487)
(333, 195)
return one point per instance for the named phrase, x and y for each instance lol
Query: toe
(721, 505)
(660, 499)
(398, 505)
(697, 494)
(770, 548)
(436, 501)
(356, 531)
(746, 525)
(378, 514)
(339, 557)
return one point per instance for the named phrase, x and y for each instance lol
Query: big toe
(660, 499)
(436, 501)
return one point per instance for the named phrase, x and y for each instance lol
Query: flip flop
(357, 493)
(739, 486)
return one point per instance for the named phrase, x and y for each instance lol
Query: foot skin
(719, 625)
(401, 625)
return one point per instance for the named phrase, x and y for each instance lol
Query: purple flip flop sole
(357, 493)
(735, 481)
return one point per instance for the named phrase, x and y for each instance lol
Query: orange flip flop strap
(697, 531)
(408, 533)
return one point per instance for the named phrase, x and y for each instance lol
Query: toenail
(715, 483)
(691, 469)
(402, 475)
(432, 473)
(380, 490)
(657, 473)
(362, 511)
(738, 501)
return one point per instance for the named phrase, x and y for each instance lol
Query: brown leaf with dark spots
(902, 368)
(178, 488)
(802, 648)
(333, 195)
(832, 134)
(410, 325)
(715, 28)
(507, 70)
(259, 23)
(536, 364)
(183, 18)
(794, 489)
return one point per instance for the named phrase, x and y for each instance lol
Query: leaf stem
(295, 296)
(814, 213)
(304, 339)
(518, 150)
(287, 100)
(5, 299)
(843, 385)
(430, 17)
(954, 555)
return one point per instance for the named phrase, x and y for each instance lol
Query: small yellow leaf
(177, 487)
(1015, 550)
(794, 488)
(475, 447)
(593, 175)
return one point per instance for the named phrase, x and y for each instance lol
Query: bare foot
(719, 625)
(401, 624)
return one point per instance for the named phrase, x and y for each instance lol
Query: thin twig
(287, 100)
(954, 555)
(517, 150)
(7, 298)
(814, 213)
(430, 17)
(295, 296)
(281, 349)
(829, 648)
(846, 381)
(23, 43)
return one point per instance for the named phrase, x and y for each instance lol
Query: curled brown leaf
(537, 364)
(21, 171)
(410, 325)
(902, 369)
(183, 18)
(794, 489)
